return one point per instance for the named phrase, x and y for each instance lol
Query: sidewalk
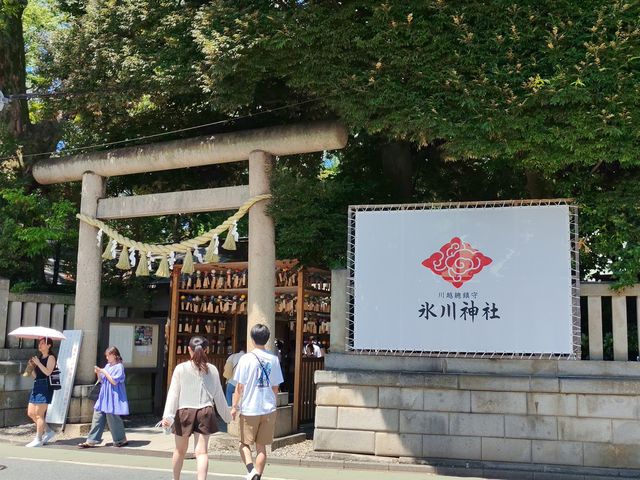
(150, 441)
(142, 438)
(147, 441)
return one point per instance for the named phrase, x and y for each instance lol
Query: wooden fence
(609, 322)
(308, 388)
(43, 309)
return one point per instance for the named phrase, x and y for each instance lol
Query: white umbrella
(37, 332)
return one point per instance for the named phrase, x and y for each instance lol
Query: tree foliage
(446, 101)
(549, 84)
(32, 228)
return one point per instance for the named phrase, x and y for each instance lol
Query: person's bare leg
(182, 443)
(202, 456)
(190, 456)
(261, 457)
(245, 454)
(41, 411)
(31, 412)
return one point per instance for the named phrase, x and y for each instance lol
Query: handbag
(54, 379)
(228, 370)
(94, 391)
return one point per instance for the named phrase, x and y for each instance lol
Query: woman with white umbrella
(41, 394)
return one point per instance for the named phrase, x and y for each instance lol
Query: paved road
(66, 464)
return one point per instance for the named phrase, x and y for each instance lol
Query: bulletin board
(141, 345)
(137, 343)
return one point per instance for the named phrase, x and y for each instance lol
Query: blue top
(113, 398)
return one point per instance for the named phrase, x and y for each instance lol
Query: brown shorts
(257, 429)
(198, 420)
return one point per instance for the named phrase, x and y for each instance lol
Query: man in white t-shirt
(257, 376)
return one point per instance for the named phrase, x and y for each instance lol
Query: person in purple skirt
(111, 403)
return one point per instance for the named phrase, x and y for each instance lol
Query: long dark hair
(49, 342)
(114, 351)
(199, 356)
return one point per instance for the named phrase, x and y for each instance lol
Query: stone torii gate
(257, 146)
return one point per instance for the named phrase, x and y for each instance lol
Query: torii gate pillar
(88, 279)
(262, 250)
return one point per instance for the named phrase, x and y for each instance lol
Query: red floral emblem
(457, 262)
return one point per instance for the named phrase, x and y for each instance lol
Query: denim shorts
(41, 393)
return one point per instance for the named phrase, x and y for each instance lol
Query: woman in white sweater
(195, 389)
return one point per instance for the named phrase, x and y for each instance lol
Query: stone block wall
(14, 388)
(284, 418)
(542, 412)
(139, 393)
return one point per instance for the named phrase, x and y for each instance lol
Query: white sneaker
(48, 436)
(34, 443)
(252, 475)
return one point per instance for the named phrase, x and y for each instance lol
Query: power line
(162, 134)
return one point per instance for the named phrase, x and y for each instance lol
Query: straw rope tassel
(230, 242)
(187, 264)
(212, 251)
(143, 265)
(123, 261)
(106, 255)
(163, 268)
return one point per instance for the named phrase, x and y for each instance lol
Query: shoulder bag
(204, 385)
(229, 368)
(94, 392)
(54, 379)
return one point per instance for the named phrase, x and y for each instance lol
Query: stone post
(339, 282)
(262, 250)
(88, 279)
(4, 311)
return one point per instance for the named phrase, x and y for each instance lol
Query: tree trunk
(535, 184)
(397, 164)
(12, 66)
(56, 263)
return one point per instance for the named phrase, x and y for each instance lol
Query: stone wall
(139, 394)
(536, 412)
(14, 388)
(284, 418)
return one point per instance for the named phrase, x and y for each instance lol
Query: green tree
(35, 222)
(449, 100)
(32, 229)
(547, 92)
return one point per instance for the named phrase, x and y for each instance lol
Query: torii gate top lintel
(198, 151)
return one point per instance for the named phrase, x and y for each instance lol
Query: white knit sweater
(191, 389)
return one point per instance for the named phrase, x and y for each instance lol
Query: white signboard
(122, 337)
(491, 280)
(67, 362)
